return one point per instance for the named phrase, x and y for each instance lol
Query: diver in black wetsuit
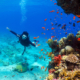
(23, 39)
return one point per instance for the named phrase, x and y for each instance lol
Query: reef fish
(74, 18)
(78, 16)
(63, 27)
(78, 21)
(45, 19)
(43, 28)
(36, 37)
(51, 11)
(74, 24)
(52, 28)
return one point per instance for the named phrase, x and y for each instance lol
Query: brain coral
(69, 49)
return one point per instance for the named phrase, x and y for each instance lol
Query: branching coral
(70, 75)
(50, 76)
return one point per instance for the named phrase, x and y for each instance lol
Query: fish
(59, 25)
(36, 37)
(63, 27)
(13, 75)
(43, 28)
(43, 67)
(61, 13)
(46, 69)
(52, 24)
(31, 69)
(57, 12)
(45, 19)
(41, 49)
(78, 21)
(52, 37)
(38, 44)
(43, 33)
(5, 76)
(45, 37)
(74, 18)
(47, 29)
(52, 28)
(65, 33)
(40, 77)
(51, 11)
(55, 3)
(36, 41)
(74, 24)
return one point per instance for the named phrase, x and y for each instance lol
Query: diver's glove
(7, 28)
(36, 45)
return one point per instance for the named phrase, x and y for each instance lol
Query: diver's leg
(24, 50)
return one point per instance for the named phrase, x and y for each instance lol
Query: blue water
(29, 15)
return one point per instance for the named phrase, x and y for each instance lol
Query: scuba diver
(23, 39)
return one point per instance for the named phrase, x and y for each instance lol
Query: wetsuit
(25, 42)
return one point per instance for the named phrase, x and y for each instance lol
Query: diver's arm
(24, 50)
(32, 44)
(13, 32)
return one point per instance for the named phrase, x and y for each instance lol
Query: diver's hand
(7, 28)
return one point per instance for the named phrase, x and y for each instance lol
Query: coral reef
(50, 76)
(70, 6)
(54, 45)
(66, 65)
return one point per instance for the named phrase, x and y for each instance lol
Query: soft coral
(57, 59)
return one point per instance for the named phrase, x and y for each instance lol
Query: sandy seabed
(10, 56)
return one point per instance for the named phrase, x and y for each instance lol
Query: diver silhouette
(23, 39)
